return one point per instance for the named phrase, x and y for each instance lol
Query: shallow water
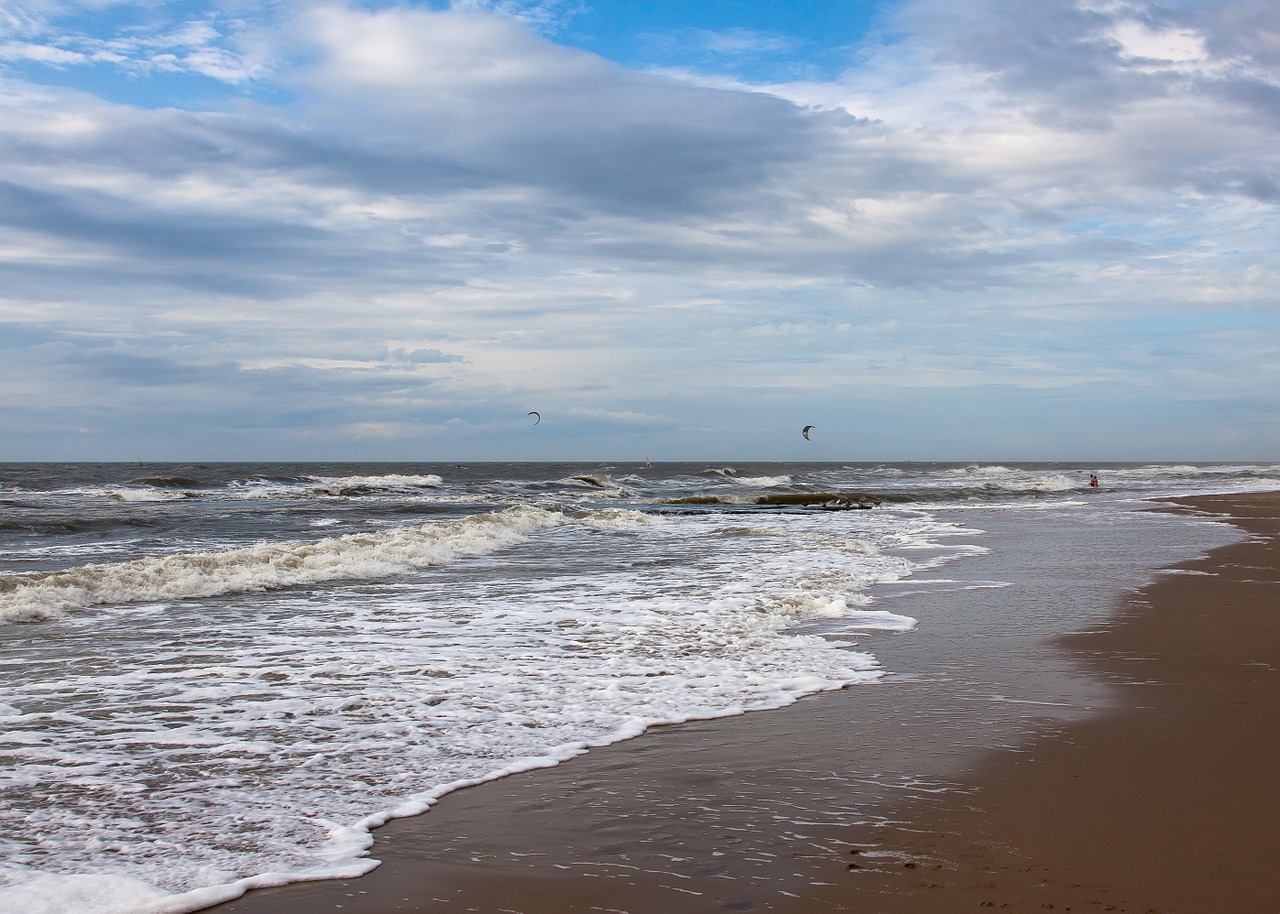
(219, 672)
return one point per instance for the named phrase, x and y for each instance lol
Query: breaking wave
(38, 596)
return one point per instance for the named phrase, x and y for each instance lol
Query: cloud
(37, 52)
(615, 417)
(715, 50)
(146, 40)
(401, 216)
(545, 16)
(480, 95)
(422, 356)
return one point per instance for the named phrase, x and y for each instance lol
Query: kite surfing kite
(537, 416)
(805, 432)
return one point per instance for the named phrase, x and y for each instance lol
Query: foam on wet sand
(1163, 804)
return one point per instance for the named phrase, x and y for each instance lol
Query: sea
(221, 676)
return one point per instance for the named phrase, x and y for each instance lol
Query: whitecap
(265, 566)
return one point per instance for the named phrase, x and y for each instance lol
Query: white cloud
(1142, 42)
(57, 57)
(447, 213)
(614, 416)
(213, 46)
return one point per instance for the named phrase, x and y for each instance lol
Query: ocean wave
(270, 566)
(263, 486)
(71, 525)
(394, 481)
(995, 478)
(1186, 471)
(590, 481)
(613, 519)
(356, 486)
(763, 480)
(976, 470)
(710, 500)
(145, 495)
(1055, 482)
(167, 482)
(830, 500)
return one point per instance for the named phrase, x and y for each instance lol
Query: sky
(361, 230)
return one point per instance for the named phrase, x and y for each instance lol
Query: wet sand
(1166, 804)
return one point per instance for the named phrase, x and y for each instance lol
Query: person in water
(1093, 480)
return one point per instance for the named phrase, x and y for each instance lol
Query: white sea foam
(49, 894)
(763, 480)
(386, 481)
(263, 745)
(1008, 479)
(877, 620)
(271, 566)
(989, 470)
(1055, 482)
(313, 486)
(143, 495)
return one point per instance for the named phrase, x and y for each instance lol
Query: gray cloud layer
(420, 224)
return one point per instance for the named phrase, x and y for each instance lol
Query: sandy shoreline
(1163, 807)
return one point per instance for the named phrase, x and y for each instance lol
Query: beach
(1160, 800)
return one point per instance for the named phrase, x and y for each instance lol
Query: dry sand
(1167, 805)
